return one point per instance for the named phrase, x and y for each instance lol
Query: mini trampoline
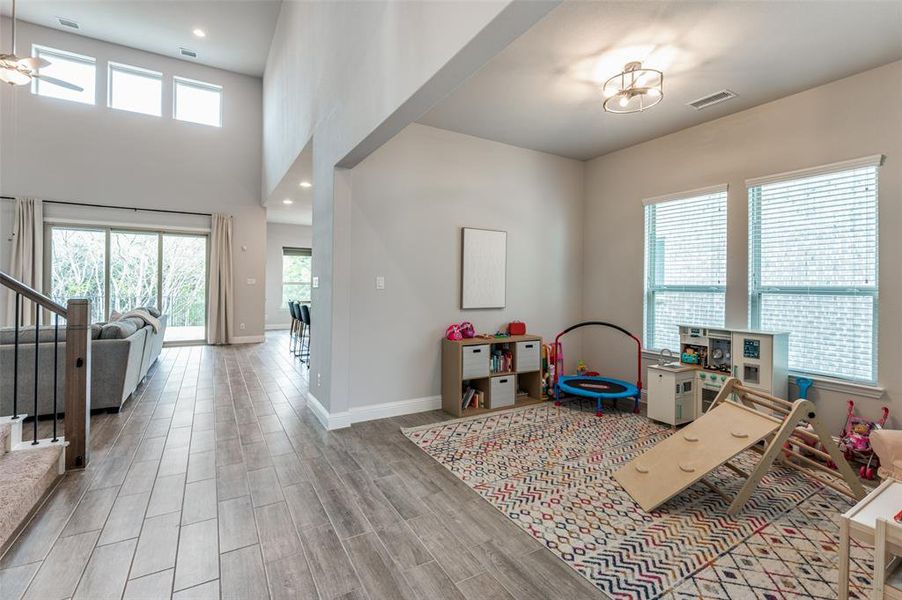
(595, 387)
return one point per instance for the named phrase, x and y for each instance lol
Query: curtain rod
(159, 210)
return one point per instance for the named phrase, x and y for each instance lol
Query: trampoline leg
(636, 407)
(557, 396)
(598, 411)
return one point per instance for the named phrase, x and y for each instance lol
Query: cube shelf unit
(469, 360)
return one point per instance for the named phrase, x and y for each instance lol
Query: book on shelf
(469, 394)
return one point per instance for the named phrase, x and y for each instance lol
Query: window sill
(844, 387)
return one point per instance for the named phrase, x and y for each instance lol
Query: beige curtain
(27, 257)
(219, 312)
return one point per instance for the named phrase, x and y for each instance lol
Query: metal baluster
(16, 357)
(37, 339)
(56, 333)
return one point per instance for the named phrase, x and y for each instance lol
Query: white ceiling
(542, 91)
(239, 32)
(300, 211)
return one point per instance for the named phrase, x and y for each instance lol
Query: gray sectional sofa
(122, 353)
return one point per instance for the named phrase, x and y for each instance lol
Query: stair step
(25, 477)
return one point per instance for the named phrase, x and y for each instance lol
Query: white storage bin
(528, 357)
(475, 361)
(503, 391)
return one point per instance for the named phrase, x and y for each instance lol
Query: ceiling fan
(16, 70)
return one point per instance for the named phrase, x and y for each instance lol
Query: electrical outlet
(380, 282)
(241, 326)
(316, 282)
(319, 379)
(251, 281)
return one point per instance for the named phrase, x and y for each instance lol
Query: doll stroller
(855, 441)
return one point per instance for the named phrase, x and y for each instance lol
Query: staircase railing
(76, 368)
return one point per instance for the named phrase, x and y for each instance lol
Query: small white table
(860, 523)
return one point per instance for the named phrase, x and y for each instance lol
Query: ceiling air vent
(712, 99)
(188, 53)
(67, 23)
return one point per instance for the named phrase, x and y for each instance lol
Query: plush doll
(859, 438)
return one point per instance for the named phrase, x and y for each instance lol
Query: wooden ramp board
(694, 451)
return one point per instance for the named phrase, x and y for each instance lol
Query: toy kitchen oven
(681, 392)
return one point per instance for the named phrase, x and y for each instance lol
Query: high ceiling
(300, 210)
(542, 91)
(239, 32)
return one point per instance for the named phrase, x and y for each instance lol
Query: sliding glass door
(78, 259)
(184, 277)
(121, 269)
(134, 267)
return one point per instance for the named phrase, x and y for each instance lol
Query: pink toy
(467, 330)
(855, 440)
(453, 332)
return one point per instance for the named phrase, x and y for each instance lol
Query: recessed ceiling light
(198, 32)
(306, 184)
(287, 201)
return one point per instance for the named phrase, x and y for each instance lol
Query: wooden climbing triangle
(739, 419)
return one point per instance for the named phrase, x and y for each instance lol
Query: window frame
(295, 251)
(757, 291)
(132, 70)
(651, 287)
(108, 229)
(40, 50)
(203, 85)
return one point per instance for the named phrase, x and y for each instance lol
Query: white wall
(278, 236)
(58, 150)
(411, 198)
(850, 118)
(334, 77)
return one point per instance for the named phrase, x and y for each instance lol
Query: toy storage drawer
(502, 391)
(475, 361)
(528, 357)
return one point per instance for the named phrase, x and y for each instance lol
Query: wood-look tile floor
(216, 481)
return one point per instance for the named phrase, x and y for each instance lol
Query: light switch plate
(251, 281)
(316, 282)
(380, 283)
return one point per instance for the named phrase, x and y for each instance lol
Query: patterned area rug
(548, 469)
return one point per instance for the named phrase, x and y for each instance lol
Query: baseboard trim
(360, 414)
(247, 339)
(410, 406)
(277, 327)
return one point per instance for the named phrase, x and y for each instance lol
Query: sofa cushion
(119, 330)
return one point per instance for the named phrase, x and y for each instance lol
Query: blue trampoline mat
(596, 387)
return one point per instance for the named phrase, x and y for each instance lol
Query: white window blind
(685, 264)
(813, 267)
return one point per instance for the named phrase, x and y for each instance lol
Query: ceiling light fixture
(306, 184)
(198, 32)
(633, 90)
(287, 201)
(19, 70)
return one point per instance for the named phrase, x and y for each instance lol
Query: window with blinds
(813, 266)
(685, 264)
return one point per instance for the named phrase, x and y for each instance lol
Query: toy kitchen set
(678, 392)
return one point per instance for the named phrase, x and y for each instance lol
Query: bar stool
(295, 326)
(305, 335)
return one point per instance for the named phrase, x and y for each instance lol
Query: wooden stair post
(78, 383)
